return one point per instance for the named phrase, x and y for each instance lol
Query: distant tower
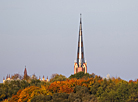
(80, 65)
(9, 77)
(25, 73)
(39, 78)
(3, 79)
(43, 79)
(47, 79)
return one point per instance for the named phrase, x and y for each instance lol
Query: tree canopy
(80, 87)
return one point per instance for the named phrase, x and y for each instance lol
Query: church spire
(25, 73)
(80, 65)
(80, 22)
(80, 53)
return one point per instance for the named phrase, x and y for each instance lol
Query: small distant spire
(7, 76)
(3, 79)
(39, 78)
(25, 71)
(47, 79)
(43, 78)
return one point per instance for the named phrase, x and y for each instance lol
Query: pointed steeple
(7, 76)
(25, 71)
(39, 78)
(3, 79)
(80, 52)
(47, 79)
(80, 65)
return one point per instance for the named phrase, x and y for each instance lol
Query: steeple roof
(80, 52)
(25, 71)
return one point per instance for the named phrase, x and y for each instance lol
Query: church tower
(25, 72)
(25, 77)
(80, 65)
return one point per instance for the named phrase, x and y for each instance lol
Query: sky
(43, 34)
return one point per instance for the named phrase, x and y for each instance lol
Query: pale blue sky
(43, 34)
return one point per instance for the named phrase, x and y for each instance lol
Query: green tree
(133, 97)
(81, 75)
(35, 82)
(60, 97)
(79, 93)
(57, 77)
(89, 98)
(41, 98)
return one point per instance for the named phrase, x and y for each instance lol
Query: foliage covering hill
(77, 88)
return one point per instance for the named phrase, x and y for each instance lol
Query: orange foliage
(116, 80)
(28, 93)
(16, 97)
(69, 85)
(131, 81)
(60, 87)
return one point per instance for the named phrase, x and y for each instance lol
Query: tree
(35, 82)
(41, 98)
(60, 97)
(133, 97)
(108, 97)
(57, 77)
(90, 98)
(79, 93)
(16, 76)
(80, 75)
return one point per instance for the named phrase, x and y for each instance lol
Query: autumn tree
(16, 76)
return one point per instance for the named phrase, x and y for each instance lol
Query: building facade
(80, 64)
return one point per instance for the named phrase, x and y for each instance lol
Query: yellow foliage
(5, 100)
(28, 93)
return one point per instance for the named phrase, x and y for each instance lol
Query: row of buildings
(25, 77)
